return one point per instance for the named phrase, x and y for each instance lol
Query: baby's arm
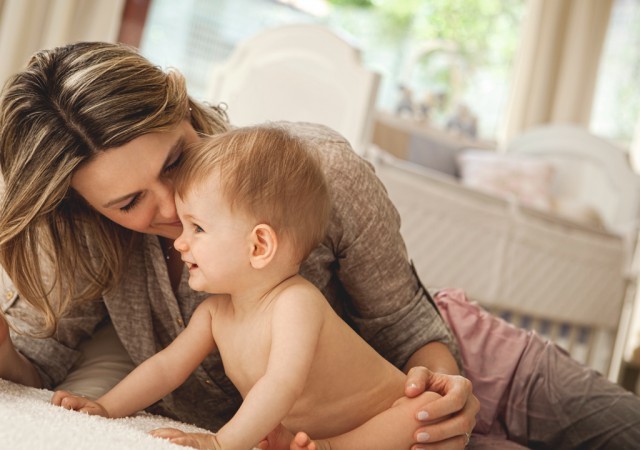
(392, 429)
(295, 327)
(157, 376)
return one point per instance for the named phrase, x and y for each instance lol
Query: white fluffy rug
(28, 421)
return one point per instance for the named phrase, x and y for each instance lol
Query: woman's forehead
(119, 169)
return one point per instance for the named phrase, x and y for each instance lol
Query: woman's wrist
(436, 357)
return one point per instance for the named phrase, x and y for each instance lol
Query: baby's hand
(71, 401)
(202, 441)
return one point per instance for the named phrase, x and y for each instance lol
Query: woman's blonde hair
(68, 105)
(268, 174)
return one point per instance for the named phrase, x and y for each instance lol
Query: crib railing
(589, 345)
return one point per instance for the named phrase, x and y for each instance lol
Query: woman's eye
(129, 206)
(174, 164)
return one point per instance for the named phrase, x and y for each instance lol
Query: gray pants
(556, 403)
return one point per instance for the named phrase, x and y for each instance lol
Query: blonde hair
(68, 105)
(267, 173)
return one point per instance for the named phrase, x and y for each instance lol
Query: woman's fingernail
(423, 437)
(413, 386)
(423, 415)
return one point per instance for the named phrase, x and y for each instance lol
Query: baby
(254, 203)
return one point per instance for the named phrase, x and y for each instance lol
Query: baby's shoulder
(212, 303)
(299, 290)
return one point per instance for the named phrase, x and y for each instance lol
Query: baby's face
(215, 242)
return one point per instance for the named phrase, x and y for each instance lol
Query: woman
(90, 136)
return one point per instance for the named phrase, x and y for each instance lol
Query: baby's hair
(267, 173)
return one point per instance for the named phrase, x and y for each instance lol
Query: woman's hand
(455, 412)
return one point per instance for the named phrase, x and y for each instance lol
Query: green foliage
(397, 15)
(352, 3)
(479, 40)
(468, 23)
(483, 30)
(474, 25)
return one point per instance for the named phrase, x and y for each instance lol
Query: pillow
(103, 363)
(526, 179)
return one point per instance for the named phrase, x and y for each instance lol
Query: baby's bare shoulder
(300, 290)
(212, 304)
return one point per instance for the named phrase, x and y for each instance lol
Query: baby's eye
(198, 229)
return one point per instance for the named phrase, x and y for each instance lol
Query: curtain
(30, 25)
(557, 64)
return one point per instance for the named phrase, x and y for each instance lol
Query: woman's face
(132, 184)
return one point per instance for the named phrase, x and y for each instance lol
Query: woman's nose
(166, 201)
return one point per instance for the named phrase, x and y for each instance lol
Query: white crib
(300, 72)
(571, 282)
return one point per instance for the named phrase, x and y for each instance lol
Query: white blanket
(28, 421)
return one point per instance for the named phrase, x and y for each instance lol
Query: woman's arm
(436, 356)
(379, 292)
(43, 362)
(14, 366)
(362, 265)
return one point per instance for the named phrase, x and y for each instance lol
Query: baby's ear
(264, 244)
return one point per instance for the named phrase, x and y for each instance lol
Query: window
(449, 55)
(616, 106)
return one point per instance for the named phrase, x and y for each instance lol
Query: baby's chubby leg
(392, 429)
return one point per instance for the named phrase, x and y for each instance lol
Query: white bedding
(29, 421)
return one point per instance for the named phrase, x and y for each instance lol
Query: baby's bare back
(349, 383)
